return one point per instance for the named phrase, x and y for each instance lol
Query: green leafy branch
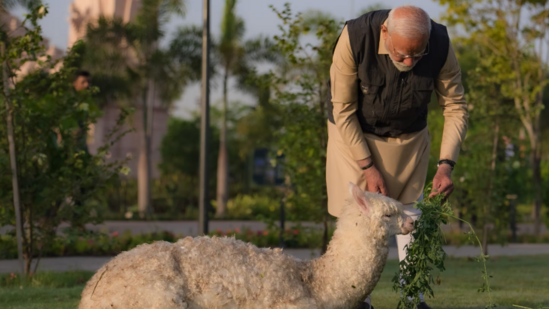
(426, 252)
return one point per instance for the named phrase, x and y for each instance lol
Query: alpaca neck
(350, 269)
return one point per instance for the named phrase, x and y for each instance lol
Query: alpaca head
(375, 214)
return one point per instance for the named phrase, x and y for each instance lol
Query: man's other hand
(374, 180)
(442, 183)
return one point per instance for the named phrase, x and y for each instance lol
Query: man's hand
(374, 180)
(442, 183)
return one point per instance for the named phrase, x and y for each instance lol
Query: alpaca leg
(367, 303)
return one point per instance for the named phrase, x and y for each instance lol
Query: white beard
(402, 67)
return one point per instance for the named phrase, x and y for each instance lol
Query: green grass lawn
(44, 290)
(520, 281)
(516, 280)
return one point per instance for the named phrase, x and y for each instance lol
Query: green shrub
(249, 207)
(294, 237)
(92, 244)
(102, 244)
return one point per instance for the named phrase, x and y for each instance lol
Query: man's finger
(437, 187)
(435, 190)
(445, 186)
(447, 190)
(383, 190)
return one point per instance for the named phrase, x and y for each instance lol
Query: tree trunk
(535, 139)
(487, 208)
(223, 160)
(144, 168)
(29, 252)
(13, 161)
(513, 219)
(535, 159)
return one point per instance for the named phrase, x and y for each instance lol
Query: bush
(461, 238)
(295, 237)
(102, 244)
(95, 244)
(251, 207)
(174, 197)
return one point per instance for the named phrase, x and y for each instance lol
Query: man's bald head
(409, 22)
(406, 36)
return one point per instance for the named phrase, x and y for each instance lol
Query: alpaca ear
(359, 197)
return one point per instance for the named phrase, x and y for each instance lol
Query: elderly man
(385, 67)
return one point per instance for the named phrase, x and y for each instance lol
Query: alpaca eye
(387, 216)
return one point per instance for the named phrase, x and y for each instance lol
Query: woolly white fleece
(222, 273)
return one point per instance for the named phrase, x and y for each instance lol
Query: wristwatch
(449, 162)
(367, 166)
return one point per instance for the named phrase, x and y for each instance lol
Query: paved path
(94, 263)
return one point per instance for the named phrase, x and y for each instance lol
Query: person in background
(82, 80)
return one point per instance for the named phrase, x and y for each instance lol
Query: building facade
(13, 26)
(83, 12)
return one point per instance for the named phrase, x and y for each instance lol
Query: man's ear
(359, 197)
(384, 32)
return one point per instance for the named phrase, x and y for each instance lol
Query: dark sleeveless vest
(391, 102)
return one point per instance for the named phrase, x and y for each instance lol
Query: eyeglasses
(397, 55)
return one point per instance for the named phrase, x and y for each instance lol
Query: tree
(485, 173)
(300, 90)
(141, 70)
(178, 164)
(515, 34)
(52, 170)
(375, 7)
(6, 5)
(236, 58)
(230, 52)
(179, 159)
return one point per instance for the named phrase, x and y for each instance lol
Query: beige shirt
(448, 87)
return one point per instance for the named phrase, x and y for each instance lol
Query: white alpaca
(211, 273)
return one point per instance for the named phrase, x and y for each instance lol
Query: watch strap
(446, 161)
(367, 166)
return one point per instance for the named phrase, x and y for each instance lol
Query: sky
(258, 17)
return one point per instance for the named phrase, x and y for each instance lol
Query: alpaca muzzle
(407, 225)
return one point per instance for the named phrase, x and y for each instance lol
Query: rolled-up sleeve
(343, 75)
(451, 98)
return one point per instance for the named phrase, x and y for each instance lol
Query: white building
(13, 26)
(83, 12)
